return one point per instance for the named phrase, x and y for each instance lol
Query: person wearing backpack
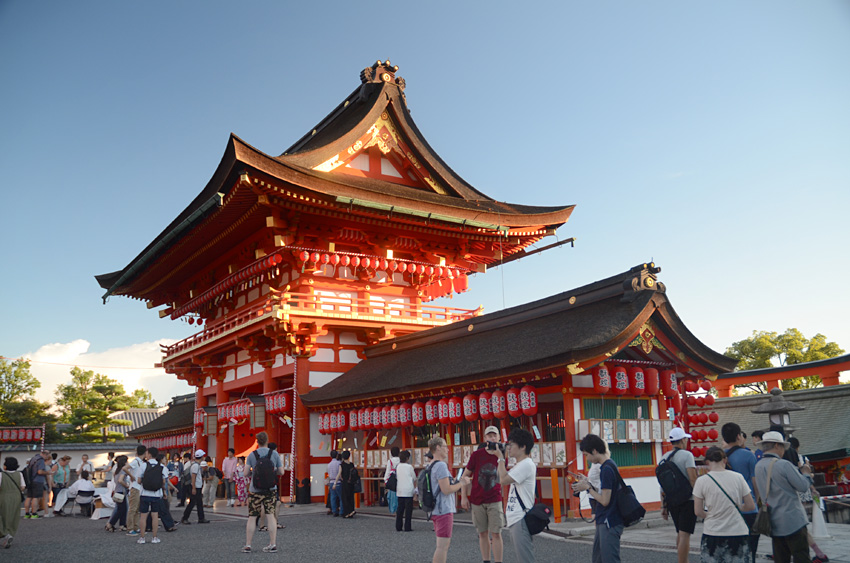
(348, 477)
(443, 489)
(135, 469)
(263, 467)
(153, 480)
(184, 486)
(35, 475)
(677, 473)
(609, 523)
(392, 465)
(743, 461)
(484, 497)
(195, 491)
(522, 479)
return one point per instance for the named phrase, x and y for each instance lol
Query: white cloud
(131, 365)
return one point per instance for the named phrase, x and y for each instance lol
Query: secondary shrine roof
(407, 178)
(567, 329)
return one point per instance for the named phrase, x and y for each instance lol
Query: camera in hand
(494, 445)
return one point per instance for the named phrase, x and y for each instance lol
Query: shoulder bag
(735, 504)
(537, 517)
(23, 497)
(630, 509)
(762, 524)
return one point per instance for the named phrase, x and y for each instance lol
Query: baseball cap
(491, 429)
(200, 453)
(677, 434)
(775, 437)
(203, 464)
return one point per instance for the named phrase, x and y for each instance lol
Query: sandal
(109, 528)
(281, 526)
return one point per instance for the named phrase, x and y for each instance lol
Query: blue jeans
(336, 499)
(119, 514)
(606, 544)
(392, 501)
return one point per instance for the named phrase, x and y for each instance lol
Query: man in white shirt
(151, 496)
(85, 465)
(82, 484)
(522, 479)
(135, 469)
(196, 481)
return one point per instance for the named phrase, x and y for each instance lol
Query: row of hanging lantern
(277, 402)
(20, 435)
(198, 419)
(237, 410)
(383, 264)
(498, 404)
(175, 441)
(700, 418)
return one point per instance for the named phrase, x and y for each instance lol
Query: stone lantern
(777, 409)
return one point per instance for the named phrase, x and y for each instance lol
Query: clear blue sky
(712, 137)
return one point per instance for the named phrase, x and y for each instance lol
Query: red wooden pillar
(302, 419)
(724, 390)
(201, 441)
(570, 443)
(830, 379)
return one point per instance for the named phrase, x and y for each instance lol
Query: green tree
(87, 402)
(789, 348)
(141, 399)
(16, 381)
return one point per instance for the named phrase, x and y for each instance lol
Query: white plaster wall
(320, 378)
(349, 338)
(323, 355)
(583, 381)
(325, 338)
(348, 357)
(243, 371)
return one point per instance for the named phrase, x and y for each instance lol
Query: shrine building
(313, 278)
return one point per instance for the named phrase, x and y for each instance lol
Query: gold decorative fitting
(572, 300)
(395, 345)
(386, 77)
(469, 328)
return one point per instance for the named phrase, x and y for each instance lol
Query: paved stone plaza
(310, 535)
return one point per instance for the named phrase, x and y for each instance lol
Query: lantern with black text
(394, 421)
(417, 414)
(341, 421)
(322, 429)
(498, 404)
(443, 410)
(485, 409)
(366, 421)
(637, 381)
(528, 400)
(470, 407)
(353, 421)
(668, 383)
(601, 380)
(385, 418)
(333, 422)
(619, 380)
(432, 412)
(376, 418)
(405, 412)
(651, 377)
(455, 410)
(512, 402)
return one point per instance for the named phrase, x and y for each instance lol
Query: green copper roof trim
(417, 213)
(215, 201)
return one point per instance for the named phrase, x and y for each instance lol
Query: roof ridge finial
(382, 71)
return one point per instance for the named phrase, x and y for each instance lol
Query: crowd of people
(735, 483)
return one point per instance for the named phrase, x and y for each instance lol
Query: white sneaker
(155, 540)
(141, 540)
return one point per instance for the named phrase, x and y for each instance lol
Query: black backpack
(675, 484)
(186, 476)
(427, 500)
(264, 477)
(152, 477)
(392, 480)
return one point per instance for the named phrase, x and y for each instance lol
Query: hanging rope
(294, 422)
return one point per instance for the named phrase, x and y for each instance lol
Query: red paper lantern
(432, 412)
(668, 383)
(6, 435)
(304, 255)
(376, 418)
(345, 260)
(455, 410)
(528, 400)
(619, 380)
(703, 435)
(512, 400)
(713, 434)
(485, 409)
(703, 418)
(713, 417)
(37, 434)
(676, 402)
(385, 418)
(365, 262)
(706, 385)
(355, 262)
(417, 414)
(651, 377)
(470, 407)
(691, 401)
(314, 257)
(405, 412)
(335, 259)
(498, 404)
(443, 410)
(364, 420)
(601, 380)
(700, 402)
(709, 400)
(394, 421)
(637, 381)
(691, 386)
(353, 420)
(341, 421)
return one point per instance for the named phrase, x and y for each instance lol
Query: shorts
(36, 490)
(443, 525)
(683, 517)
(488, 517)
(264, 501)
(148, 504)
